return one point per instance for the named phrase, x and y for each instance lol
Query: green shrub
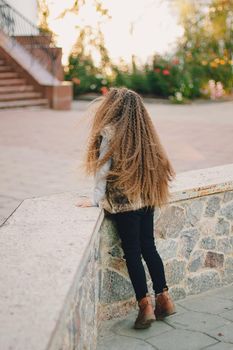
(85, 75)
(178, 78)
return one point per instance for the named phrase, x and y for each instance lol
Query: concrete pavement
(40, 153)
(203, 321)
(41, 150)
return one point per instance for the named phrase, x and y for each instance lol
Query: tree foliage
(77, 4)
(43, 14)
(206, 47)
(208, 27)
(86, 75)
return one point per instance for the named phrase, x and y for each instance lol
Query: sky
(155, 27)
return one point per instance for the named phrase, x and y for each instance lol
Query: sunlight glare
(155, 27)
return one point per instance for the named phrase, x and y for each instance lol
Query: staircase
(31, 72)
(15, 91)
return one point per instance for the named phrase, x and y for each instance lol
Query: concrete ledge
(60, 97)
(202, 182)
(46, 246)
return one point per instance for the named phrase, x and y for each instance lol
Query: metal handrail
(15, 24)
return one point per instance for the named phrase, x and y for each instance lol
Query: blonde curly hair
(140, 167)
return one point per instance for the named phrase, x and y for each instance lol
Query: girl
(132, 173)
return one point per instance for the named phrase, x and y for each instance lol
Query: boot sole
(145, 325)
(162, 316)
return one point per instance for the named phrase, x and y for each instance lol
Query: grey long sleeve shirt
(100, 179)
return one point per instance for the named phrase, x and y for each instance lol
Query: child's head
(118, 106)
(141, 166)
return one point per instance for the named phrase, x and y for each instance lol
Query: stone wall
(195, 240)
(64, 270)
(80, 328)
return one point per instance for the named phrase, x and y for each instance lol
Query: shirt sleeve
(100, 176)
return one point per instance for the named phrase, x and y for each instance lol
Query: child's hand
(84, 202)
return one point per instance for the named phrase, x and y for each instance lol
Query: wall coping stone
(202, 182)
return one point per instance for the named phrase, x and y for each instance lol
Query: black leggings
(136, 230)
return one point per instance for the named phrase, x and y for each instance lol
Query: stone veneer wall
(81, 319)
(195, 240)
(63, 267)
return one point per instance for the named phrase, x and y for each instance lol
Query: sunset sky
(155, 26)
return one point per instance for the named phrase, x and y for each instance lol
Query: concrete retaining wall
(63, 267)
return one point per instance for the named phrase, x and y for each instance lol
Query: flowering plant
(104, 90)
(214, 90)
(166, 72)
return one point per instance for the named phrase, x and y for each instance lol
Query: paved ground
(201, 322)
(41, 150)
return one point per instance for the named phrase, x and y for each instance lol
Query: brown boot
(164, 305)
(146, 313)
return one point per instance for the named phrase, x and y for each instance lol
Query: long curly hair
(140, 167)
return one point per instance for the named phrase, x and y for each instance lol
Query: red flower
(76, 81)
(157, 70)
(104, 90)
(166, 72)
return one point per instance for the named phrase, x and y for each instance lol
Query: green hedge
(174, 78)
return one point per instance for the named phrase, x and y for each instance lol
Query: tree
(43, 14)
(208, 26)
(206, 47)
(75, 8)
(89, 43)
(86, 75)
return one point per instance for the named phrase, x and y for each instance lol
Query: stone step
(5, 69)
(24, 103)
(16, 88)
(4, 75)
(11, 82)
(19, 96)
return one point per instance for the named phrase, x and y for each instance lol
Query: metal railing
(24, 32)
